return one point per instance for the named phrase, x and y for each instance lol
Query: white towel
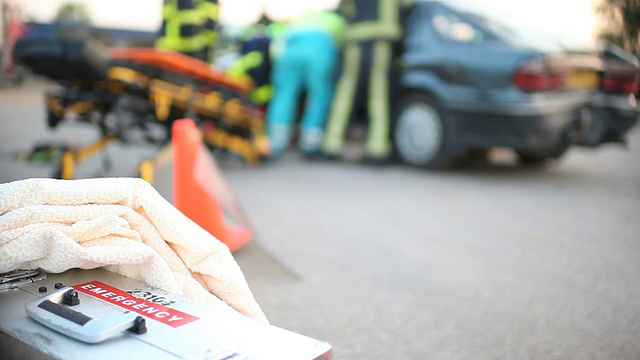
(122, 224)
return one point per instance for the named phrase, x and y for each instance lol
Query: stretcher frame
(166, 86)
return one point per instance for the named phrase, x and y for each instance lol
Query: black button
(42, 289)
(59, 285)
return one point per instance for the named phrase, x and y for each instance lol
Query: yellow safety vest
(189, 29)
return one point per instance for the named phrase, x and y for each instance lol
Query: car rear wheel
(420, 134)
(541, 158)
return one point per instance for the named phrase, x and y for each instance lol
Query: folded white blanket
(122, 224)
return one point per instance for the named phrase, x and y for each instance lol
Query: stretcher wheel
(52, 119)
(57, 172)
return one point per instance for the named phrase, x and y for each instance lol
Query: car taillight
(535, 76)
(620, 84)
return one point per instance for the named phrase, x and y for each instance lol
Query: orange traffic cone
(199, 188)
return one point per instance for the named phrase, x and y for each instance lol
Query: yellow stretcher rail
(70, 157)
(129, 76)
(148, 167)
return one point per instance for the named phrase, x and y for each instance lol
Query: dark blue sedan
(467, 83)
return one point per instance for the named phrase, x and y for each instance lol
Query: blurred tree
(72, 20)
(621, 23)
(73, 13)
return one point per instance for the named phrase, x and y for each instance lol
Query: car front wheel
(419, 134)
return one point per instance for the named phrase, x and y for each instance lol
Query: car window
(495, 24)
(452, 28)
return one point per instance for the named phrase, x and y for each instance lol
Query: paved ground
(493, 262)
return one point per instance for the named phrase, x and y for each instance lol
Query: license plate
(582, 79)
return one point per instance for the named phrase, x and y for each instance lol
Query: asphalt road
(490, 262)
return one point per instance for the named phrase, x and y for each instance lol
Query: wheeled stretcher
(124, 89)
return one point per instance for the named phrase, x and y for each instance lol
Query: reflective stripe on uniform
(183, 45)
(373, 30)
(168, 10)
(343, 101)
(377, 145)
(262, 94)
(182, 27)
(210, 9)
(246, 62)
(388, 11)
(183, 17)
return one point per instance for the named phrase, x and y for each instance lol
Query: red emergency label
(165, 315)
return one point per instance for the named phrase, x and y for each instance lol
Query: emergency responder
(189, 27)
(255, 60)
(307, 64)
(374, 28)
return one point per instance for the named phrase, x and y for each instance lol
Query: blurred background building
(581, 21)
(571, 18)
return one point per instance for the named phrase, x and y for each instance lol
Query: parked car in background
(467, 82)
(614, 109)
